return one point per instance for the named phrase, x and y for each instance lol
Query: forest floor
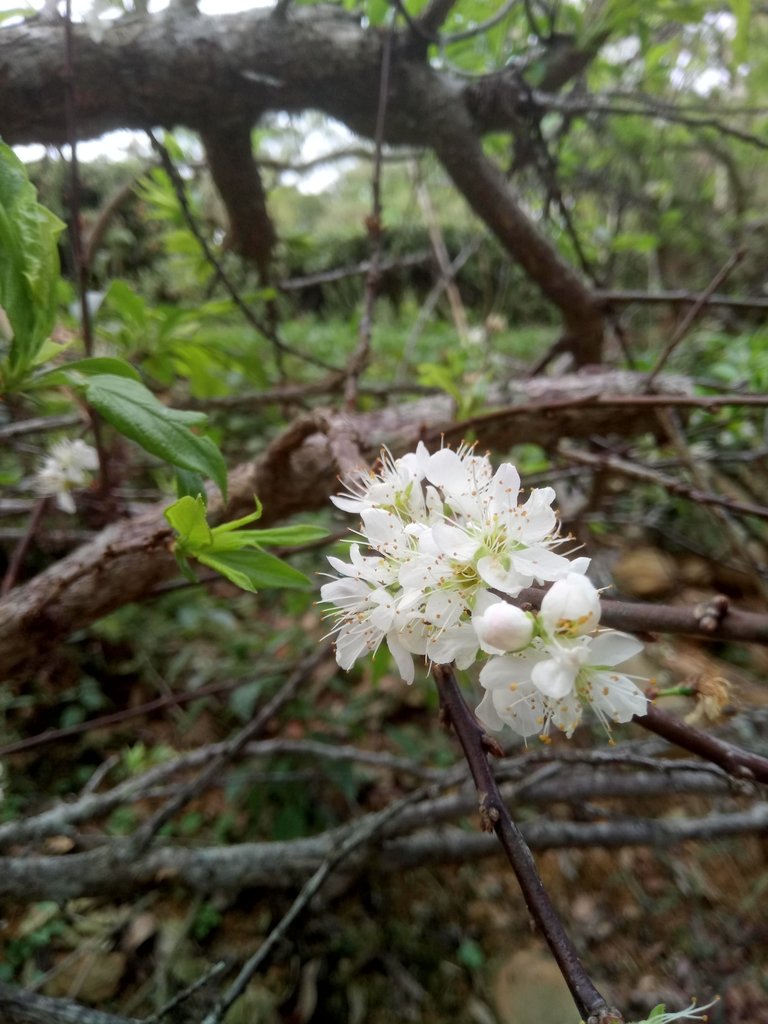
(434, 945)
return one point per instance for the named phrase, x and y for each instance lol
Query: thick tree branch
(21, 1006)
(298, 473)
(204, 72)
(236, 176)
(488, 193)
(113, 873)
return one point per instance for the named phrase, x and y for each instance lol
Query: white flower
(502, 627)
(443, 529)
(571, 607)
(366, 615)
(512, 699)
(67, 467)
(548, 681)
(395, 488)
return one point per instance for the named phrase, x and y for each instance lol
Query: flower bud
(503, 627)
(571, 607)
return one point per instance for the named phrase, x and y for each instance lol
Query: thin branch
(442, 258)
(111, 871)
(334, 155)
(294, 284)
(591, 398)
(212, 974)
(21, 1006)
(117, 717)
(481, 27)
(357, 834)
(82, 269)
(362, 353)
(649, 475)
(713, 619)
(636, 107)
(433, 17)
(20, 551)
(494, 814)
(678, 776)
(39, 425)
(232, 748)
(690, 317)
(741, 764)
(261, 326)
(610, 297)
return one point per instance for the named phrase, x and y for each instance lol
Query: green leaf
(124, 301)
(137, 414)
(189, 483)
(184, 567)
(49, 350)
(283, 536)
(251, 570)
(29, 265)
(73, 373)
(187, 517)
(235, 523)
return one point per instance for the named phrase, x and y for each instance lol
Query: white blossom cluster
(67, 467)
(445, 537)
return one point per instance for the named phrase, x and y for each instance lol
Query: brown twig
(82, 268)
(362, 353)
(117, 717)
(20, 551)
(261, 326)
(652, 476)
(144, 835)
(616, 297)
(592, 400)
(494, 815)
(741, 764)
(713, 619)
(691, 316)
(357, 834)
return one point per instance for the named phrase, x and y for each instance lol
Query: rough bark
(234, 171)
(20, 1006)
(114, 872)
(205, 73)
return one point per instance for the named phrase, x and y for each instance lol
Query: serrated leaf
(29, 265)
(137, 414)
(187, 517)
(251, 570)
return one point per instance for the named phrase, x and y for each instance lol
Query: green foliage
(43, 923)
(162, 431)
(29, 271)
(236, 553)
